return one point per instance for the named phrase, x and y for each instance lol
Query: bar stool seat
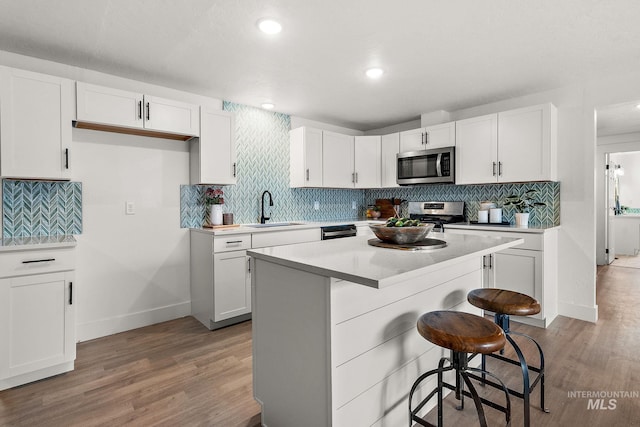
(505, 303)
(462, 333)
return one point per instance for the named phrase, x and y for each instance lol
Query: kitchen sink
(275, 224)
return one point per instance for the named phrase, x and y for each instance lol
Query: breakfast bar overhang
(334, 339)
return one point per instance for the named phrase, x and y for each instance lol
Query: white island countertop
(353, 259)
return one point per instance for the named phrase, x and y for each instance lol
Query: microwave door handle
(438, 165)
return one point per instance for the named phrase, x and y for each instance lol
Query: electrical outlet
(354, 205)
(129, 208)
(316, 205)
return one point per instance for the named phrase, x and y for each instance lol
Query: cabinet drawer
(24, 262)
(236, 242)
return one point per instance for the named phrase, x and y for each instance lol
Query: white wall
(132, 270)
(297, 122)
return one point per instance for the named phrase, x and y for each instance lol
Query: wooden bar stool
(462, 333)
(505, 303)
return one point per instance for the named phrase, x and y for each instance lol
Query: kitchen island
(334, 337)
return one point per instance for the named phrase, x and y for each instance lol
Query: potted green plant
(523, 205)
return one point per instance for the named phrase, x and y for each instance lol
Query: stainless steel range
(438, 213)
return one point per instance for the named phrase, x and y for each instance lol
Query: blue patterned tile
(41, 208)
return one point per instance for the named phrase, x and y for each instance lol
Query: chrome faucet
(263, 218)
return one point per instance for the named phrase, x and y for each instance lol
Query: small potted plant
(523, 204)
(214, 199)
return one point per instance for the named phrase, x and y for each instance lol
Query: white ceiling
(438, 55)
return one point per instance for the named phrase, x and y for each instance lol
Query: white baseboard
(113, 325)
(580, 312)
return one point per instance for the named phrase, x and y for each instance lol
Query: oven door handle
(439, 165)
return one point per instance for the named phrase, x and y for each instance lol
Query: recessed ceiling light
(374, 73)
(638, 106)
(268, 106)
(269, 26)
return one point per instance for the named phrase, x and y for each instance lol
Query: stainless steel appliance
(338, 231)
(426, 166)
(438, 213)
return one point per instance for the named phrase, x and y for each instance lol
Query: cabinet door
(526, 144)
(166, 115)
(213, 155)
(232, 285)
(367, 161)
(412, 140)
(477, 150)
(439, 136)
(520, 271)
(305, 161)
(390, 147)
(337, 160)
(36, 111)
(108, 106)
(37, 323)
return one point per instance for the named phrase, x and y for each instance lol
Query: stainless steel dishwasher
(338, 231)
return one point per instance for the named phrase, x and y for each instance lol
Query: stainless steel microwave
(427, 166)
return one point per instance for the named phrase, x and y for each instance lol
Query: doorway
(618, 187)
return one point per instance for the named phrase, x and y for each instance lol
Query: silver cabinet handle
(494, 168)
(353, 178)
(234, 169)
(233, 242)
(249, 265)
(307, 174)
(66, 158)
(426, 138)
(148, 111)
(356, 177)
(499, 168)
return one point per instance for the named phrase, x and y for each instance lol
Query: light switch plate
(129, 208)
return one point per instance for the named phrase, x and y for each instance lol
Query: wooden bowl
(401, 235)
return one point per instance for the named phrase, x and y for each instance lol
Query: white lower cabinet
(37, 315)
(517, 270)
(531, 269)
(220, 279)
(221, 272)
(232, 290)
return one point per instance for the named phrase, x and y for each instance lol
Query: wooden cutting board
(220, 227)
(386, 208)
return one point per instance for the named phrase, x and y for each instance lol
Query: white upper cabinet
(477, 150)
(36, 111)
(337, 160)
(437, 136)
(390, 147)
(167, 115)
(213, 154)
(527, 144)
(367, 161)
(511, 146)
(108, 106)
(305, 157)
(115, 110)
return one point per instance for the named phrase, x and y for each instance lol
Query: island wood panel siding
(367, 385)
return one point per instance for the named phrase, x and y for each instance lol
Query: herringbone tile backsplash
(41, 208)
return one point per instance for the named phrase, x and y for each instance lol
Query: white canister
(495, 215)
(483, 216)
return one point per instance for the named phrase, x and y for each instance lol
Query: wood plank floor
(180, 374)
